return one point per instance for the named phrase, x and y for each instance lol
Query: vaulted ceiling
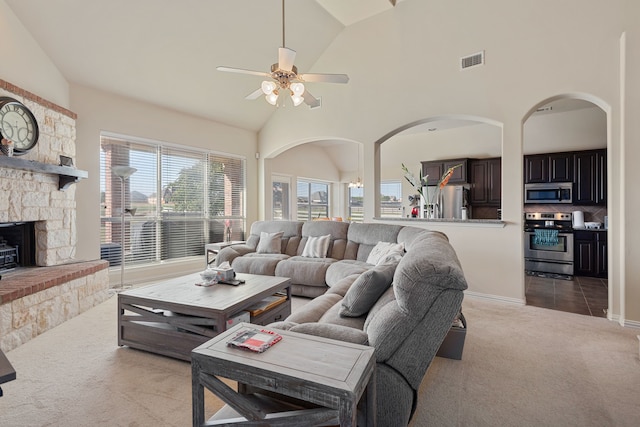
(165, 52)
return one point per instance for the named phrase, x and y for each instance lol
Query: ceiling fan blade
(310, 100)
(243, 71)
(324, 78)
(286, 57)
(254, 95)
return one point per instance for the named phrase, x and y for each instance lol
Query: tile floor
(582, 295)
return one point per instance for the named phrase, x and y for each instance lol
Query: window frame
(195, 227)
(310, 210)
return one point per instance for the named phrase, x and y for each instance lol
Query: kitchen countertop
(450, 221)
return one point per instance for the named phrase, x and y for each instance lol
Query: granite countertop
(450, 221)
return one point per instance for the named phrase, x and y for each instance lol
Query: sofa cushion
(384, 252)
(305, 270)
(270, 243)
(342, 286)
(337, 332)
(337, 230)
(366, 289)
(316, 247)
(343, 268)
(255, 263)
(363, 237)
(314, 309)
(290, 239)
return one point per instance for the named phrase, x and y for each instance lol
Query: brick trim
(31, 280)
(35, 98)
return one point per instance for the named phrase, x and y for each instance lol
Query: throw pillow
(366, 289)
(270, 243)
(317, 247)
(384, 252)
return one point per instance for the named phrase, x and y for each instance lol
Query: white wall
(584, 129)
(403, 67)
(24, 63)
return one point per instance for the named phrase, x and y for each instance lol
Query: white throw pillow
(270, 243)
(384, 252)
(316, 247)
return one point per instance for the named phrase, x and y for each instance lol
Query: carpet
(521, 366)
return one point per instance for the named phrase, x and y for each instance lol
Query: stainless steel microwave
(553, 192)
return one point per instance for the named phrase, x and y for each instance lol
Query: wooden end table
(332, 374)
(175, 316)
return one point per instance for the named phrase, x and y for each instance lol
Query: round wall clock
(18, 124)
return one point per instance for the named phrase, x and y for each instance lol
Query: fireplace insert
(17, 245)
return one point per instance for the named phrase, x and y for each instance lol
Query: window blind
(178, 200)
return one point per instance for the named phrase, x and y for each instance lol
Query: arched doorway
(568, 135)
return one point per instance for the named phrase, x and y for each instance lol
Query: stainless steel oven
(548, 243)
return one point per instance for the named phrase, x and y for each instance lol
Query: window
(313, 200)
(391, 199)
(176, 201)
(280, 198)
(356, 206)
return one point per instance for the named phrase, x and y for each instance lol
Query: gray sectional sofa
(401, 305)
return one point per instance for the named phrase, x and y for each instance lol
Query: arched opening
(311, 179)
(451, 139)
(565, 140)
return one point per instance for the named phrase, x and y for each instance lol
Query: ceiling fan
(285, 78)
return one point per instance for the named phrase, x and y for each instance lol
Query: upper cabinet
(436, 168)
(590, 177)
(587, 170)
(554, 167)
(486, 182)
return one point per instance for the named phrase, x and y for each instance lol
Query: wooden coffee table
(332, 375)
(175, 316)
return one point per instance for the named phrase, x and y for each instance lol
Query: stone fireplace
(38, 213)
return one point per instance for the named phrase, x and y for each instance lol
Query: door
(281, 200)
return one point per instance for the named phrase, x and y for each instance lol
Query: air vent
(472, 60)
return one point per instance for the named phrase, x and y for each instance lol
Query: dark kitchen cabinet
(553, 167)
(561, 167)
(590, 177)
(590, 253)
(436, 168)
(486, 182)
(536, 168)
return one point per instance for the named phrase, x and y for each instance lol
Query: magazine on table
(254, 340)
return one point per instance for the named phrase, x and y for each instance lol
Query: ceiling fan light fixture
(272, 98)
(297, 100)
(297, 88)
(268, 87)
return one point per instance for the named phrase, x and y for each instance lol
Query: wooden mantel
(67, 175)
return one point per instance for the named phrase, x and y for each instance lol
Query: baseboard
(497, 298)
(631, 324)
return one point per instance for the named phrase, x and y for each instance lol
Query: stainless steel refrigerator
(451, 201)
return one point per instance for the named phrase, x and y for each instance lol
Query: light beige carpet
(522, 366)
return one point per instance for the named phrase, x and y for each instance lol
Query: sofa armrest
(336, 332)
(230, 253)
